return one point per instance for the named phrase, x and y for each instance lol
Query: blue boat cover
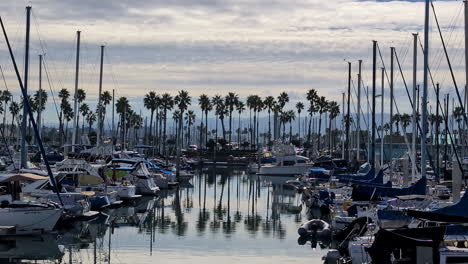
(375, 192)
(456, 212)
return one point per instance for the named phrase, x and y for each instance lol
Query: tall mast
(382, 121)
(392, 52)
(113, 105)
(424, 95)
(39, 112)
(437, 156)
(413, 119)
(358, 117)
(75, 99)
(348, 114)
(25, 98)
(342, 126)
(374, 68)
(465, 2)
(98, 138)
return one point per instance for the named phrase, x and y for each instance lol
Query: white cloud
(248, 46)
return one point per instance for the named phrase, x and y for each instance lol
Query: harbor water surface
(223, 216)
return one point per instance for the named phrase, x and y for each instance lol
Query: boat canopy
(21, 177)
(453, 213)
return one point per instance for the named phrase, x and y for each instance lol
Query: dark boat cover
(456, 212)
(375, 192)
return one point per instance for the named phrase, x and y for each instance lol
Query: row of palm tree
(225, 108)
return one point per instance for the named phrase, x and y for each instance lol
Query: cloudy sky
(214, 46)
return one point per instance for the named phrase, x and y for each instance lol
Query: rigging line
(438, 57)
(396, 105)
(50, 86)
(443, 113)
(44, 48)
(460, 101)
(111, 70)
(3, 77)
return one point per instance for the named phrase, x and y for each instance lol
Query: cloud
(210, 46)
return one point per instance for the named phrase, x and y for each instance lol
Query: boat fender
(346, 205)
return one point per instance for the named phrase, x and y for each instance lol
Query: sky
(248, 47)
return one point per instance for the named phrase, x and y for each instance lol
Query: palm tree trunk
(269, 127)
(290, 131)
(319, 132)
(201, 132)
(151, 128)
(310, 129)
(224, 129)
(239, 131)
(164, 134)
(230, 126)
(257, 129)
(206, 127)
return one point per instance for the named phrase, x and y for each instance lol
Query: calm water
(223, 216)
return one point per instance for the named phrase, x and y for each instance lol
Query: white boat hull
(30, 220)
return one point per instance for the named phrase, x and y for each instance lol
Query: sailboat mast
(382, 120)
(424, 95)
(75, 99)
(374, 68)
(358, 117)
(348, 114)
(392, 52)
(342, 126)
(26, 75)
(465, 2)
(98, 136)
(413, 119)
(39, 112)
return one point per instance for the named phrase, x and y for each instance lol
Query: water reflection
(223, 212)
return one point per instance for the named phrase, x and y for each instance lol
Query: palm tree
(39, 100)
(64, 94)
(182, 100)
(217, 103)
(90, 118)
(190, 119)
(166, 105)
(251, 101)
(458, 116)
(231, 101)
(284, 119)
(405, 120)
(269, 104)
(5, 98)
(221, 111)
(14, 111)
(84, 110)
(291, 117)
(259, 106)
(322, 105)
(122, 106)
(80, 97)
(68, 114)
(240, 107)
(150, 102)
(312, 98)
(205, 106)
(396, 119)
(106, 99)
(299, 107)
(334, 111)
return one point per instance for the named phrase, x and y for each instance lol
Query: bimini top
(21, 177)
